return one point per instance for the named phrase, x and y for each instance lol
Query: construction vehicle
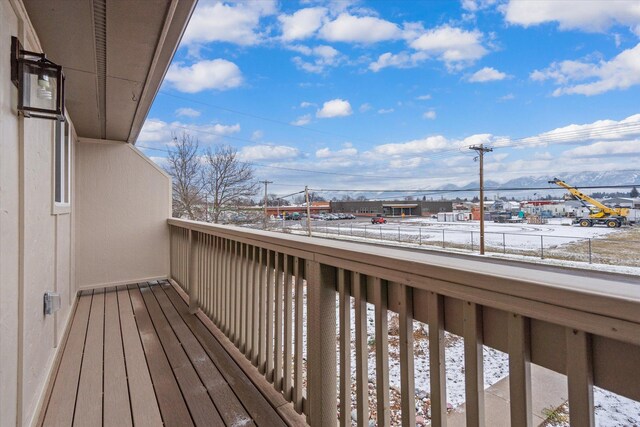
(600, 214)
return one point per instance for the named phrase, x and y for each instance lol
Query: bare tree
(226, 179)
(184, 166)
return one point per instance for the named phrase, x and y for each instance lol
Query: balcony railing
(272, 294)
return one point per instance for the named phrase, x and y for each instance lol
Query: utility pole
(480, 149)
(306, 195)
(266, 183)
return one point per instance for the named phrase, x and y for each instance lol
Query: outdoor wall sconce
(40, 83)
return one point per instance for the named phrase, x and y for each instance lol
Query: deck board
(135, 356)
(89, 403)
(144, 406)
(255, 403)
(172, 405)
(61, 406)
(117, 410)
(227, 403)
(195, 394)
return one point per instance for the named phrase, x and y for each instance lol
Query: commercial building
(392, 207)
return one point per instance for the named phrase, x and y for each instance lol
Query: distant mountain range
(540, 184)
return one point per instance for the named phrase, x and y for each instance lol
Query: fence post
(380, 227)
(443, 238)
(504, 244)
(191, 278)
(398, 234)
(338, 229)
(589, 250)
(321, 342)
(365, 231)
(541, 247)
(420, 236)
(472, 241)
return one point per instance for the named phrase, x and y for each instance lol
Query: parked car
(378, 220)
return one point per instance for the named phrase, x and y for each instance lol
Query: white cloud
(476, 5)
(218, 74)
(305, 104)
(410, 163)
(621, 72)
(400, 60)
(325, 56)
(454, 46)
(600, 130)
(335, 108)
(158, 131)
(416, 146)
(430, 115)
(326, 153)
(605, 148)
(385, 110)
(302, 24)
(268, 152)
(430, 144)
(423, 97)
(365, 107)
(257, 135)
(591, 16)
(187, 112)
(507, 97)
(359, 29)
(234, 23)
(487, 74)
(302, 120)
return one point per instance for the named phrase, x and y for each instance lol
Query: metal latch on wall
(51, 302)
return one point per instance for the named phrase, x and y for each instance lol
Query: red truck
(378, 220)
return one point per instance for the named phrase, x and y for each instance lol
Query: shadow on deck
(135, 356)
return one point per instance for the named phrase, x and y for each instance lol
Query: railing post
(504, 244)
(541, 247)
(191, 275)
(443, 238)
(589, 250)
(472, 241)
(420, 234)
(321, 329)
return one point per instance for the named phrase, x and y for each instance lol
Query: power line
(466, 190)
(544, 138)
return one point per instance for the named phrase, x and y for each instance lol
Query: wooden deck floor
(135, 356)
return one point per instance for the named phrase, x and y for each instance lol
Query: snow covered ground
(557, 243)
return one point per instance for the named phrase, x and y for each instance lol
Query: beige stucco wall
(35, 243)
(123, 201)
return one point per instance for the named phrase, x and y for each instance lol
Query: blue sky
(390, 94)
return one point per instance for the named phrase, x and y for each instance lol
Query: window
(62, 165)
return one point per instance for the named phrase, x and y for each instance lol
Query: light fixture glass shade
(40, 84)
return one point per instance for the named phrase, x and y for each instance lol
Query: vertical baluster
(270, 300)
(382, 352)
(321, 343)
(281, 267)
(255, 325)
(407, 378)
(437, 367)
(520, 370)
(262, 350)
(288, 329)
(248, 324)
(242, 297)
(237, 276)
(299, 320)
(473, 364)
(227, 287)
(580, 378)
(345, 349)
(362, 351)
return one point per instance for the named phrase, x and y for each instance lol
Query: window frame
(61, 168)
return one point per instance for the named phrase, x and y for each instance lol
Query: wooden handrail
(255, 286)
